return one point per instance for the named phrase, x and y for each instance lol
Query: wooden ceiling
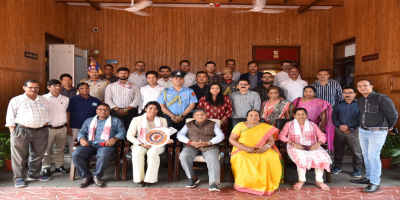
(303, 5)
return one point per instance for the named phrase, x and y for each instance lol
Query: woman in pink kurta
(304, 140)
(217, 105)
(319, 112)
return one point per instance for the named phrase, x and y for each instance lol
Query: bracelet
(190, 141)
(267, 146)
(209, 143)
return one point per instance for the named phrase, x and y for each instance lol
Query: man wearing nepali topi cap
(97, 85)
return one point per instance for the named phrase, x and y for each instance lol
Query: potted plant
(5, 151)
(390, 150)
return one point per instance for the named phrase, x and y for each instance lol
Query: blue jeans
(82, 154)
(371, 143)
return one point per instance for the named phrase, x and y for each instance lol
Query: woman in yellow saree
(256, 163)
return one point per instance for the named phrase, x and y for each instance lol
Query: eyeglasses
(33, 88)
(294, 72)
(103, 110)
(348, 92)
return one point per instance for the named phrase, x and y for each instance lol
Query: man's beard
(123, 78)
(267, 82)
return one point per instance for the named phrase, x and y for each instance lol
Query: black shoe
(62, 170)
(86, 182)
(214, 188)
(192, 183)
(142, 184)
(46, 172)
(98, 182)
(361, 181)
(371, 188)
(149, 184)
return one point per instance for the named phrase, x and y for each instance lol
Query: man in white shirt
(231, 64)
(293, 87)
(138, 77)
(283, 75)
(123, 97)
(151, 91)
(58, 105)
(165, 80)
(27, 118)
(190, 78)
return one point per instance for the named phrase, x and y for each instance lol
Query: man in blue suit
(253, 76)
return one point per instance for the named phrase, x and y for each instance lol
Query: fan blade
(140, 13)
(271, 11)
(259, 5)
(241, 11)
(108, 7)
(142, 4)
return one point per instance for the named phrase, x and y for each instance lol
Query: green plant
(5, 150)
(391, 148)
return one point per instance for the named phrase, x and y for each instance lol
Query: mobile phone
(102, 144)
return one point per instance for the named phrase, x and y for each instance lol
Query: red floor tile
(307, 193)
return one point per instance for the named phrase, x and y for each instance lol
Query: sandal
(298, 185)
(323, 186)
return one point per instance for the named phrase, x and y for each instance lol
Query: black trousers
(127, 118)
(340, 141)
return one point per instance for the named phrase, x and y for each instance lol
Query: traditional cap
(94, 65)
(226, 70)
(178, 73)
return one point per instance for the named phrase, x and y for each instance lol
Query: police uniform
(177, 102)
(97, 87)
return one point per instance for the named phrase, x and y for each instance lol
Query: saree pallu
(272, 112)
(314, 108)
(255, 173)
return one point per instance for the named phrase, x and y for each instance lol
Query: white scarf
(143, 129)
(105, 135)
(297, 131)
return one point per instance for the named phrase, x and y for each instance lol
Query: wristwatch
(182, 116)
(125, 110)
(116, 139)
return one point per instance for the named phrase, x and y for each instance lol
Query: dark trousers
(127, 118)
(82, 154)
(352, 140)
(177, 126)
(22, 141)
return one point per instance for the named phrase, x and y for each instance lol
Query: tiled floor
(308, 193)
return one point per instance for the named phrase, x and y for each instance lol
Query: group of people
(102, 110)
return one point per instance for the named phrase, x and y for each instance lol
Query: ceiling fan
(135, 8)
(259, 6)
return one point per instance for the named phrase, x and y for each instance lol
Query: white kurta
(138, 153)
(293, 89)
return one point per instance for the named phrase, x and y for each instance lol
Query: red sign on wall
(278, 54)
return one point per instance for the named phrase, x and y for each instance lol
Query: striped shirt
(57, 109)
(331, 92)
(122, 95)
(27, 112)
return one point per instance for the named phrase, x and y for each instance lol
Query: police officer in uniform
(97, 85)
(177, 102)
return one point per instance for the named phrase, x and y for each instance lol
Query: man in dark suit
(253, 76)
